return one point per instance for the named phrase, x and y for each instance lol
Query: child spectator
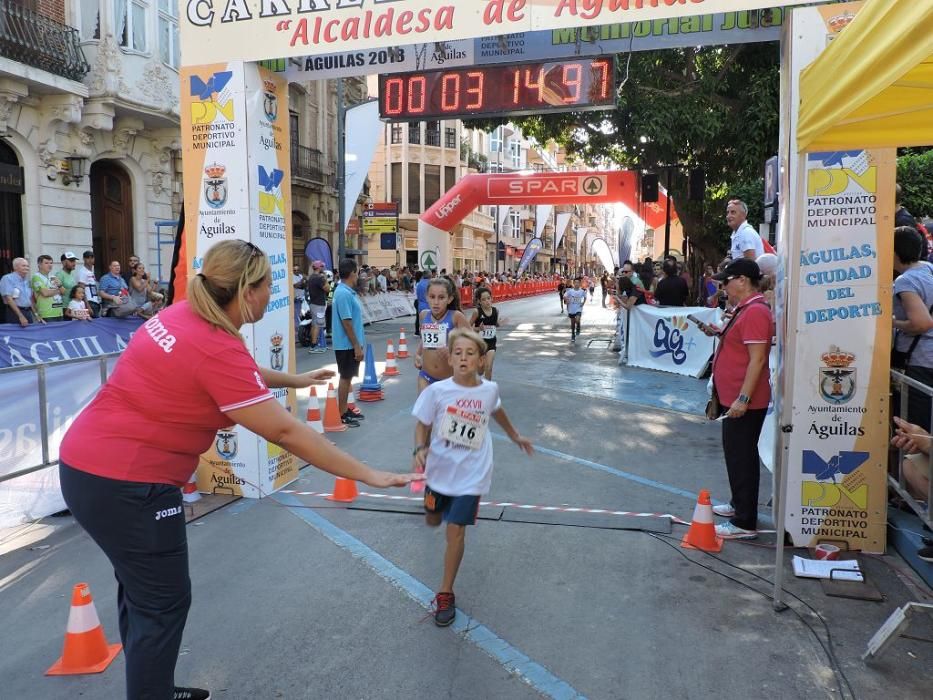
(78, 308)
(454, 448)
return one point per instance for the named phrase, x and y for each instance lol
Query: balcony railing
(307, 163)
(32, 39)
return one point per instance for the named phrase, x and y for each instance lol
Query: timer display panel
(503, 90)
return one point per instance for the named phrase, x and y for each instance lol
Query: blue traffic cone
(370, 378)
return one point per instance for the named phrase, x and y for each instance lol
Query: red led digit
(538, 84)
(516, 86)
(570, 77)
(602, 67)
(416, 94)
(476, 90)
(393, 96)
(450, 92)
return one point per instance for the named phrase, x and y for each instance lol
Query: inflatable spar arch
(518, 189)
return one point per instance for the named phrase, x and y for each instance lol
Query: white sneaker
(728, 531)
(724, 511)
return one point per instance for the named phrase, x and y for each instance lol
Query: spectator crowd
(74, 293)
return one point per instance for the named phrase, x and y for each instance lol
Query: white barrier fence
(69, 387)
(382, 307)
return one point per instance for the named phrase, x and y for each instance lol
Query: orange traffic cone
(391, 369)
(402, 345)
(313, 418)
(345, 491)
(189, 492)
(332, 422)
(86, 649)
(702, 532)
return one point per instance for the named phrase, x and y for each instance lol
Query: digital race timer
(510, 89)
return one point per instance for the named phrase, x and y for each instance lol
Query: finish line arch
(435, 225)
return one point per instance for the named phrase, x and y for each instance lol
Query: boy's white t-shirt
(575, 298)
(452, 469)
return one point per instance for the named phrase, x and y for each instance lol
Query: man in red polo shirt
(740, 379)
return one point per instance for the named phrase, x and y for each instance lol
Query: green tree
(915, 176)
(715, 108)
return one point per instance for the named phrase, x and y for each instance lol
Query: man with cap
(18, 300)
(316, 289)
(67, 274)
(740, 381)
(88, 278)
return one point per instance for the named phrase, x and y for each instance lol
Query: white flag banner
(581, 234)
(363, 122)
(662, 338)
(563, 219)
(504, 212)
(542, 214)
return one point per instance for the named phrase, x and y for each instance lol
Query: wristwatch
(418, 449)
(744, 398)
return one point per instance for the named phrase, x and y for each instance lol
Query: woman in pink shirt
(740, 380)
(122, 461)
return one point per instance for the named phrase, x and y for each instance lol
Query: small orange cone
(86, 649)
(402, 345)
(345, 491)
(391, 369)
(313, 418)
(702, 532)
(332, 422)
(189, 492)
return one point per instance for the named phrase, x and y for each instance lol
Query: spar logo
(443, 212)
(212, 98)
(270, 191)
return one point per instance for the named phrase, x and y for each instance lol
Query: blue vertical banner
(531, 250)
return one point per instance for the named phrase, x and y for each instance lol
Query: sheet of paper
(821, 568)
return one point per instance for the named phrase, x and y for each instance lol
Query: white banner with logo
(662, 338)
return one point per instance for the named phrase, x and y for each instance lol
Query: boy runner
(454, 448)
(575, 299)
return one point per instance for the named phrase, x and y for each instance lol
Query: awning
(873, 85)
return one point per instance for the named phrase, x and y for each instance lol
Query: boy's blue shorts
(459, 510)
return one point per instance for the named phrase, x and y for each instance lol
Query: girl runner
(486, 322)
(437, 321)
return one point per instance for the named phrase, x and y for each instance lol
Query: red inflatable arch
(522, 188)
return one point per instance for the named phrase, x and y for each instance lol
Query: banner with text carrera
(742, 27)
(224, 30)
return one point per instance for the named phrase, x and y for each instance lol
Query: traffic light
(649, 187)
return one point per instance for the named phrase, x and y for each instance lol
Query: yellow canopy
(873, 85)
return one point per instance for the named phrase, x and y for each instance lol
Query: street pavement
(297, 597)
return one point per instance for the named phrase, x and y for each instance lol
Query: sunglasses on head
(255, 251)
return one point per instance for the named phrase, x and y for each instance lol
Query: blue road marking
(513, 660)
